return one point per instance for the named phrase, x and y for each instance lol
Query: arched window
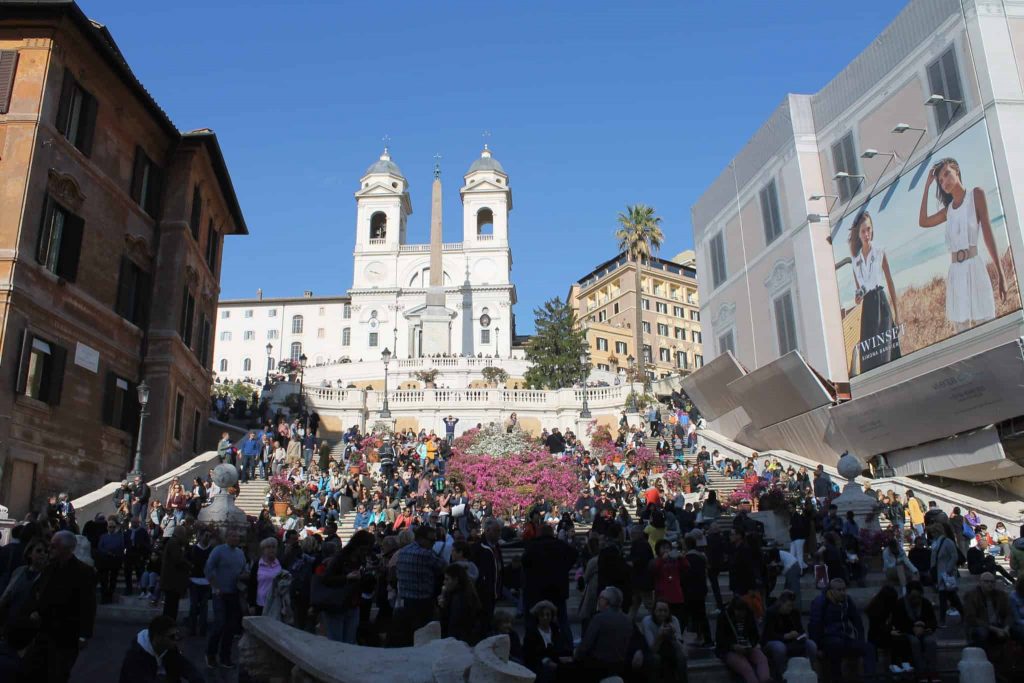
(223, 364)
(296, 324)
(378, 226)
(246, 365)
(485, 222)
(296, 350)
(346, 336)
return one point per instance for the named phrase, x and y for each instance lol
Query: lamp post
(585, 362)
(385, 413)
(143, 390)
(631, 404)
(270, 349)
(302, 392)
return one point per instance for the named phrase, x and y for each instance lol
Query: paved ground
(100, 662)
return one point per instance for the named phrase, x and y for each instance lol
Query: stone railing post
(974, 667)
(799, 670)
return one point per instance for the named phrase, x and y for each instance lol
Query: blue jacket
(362, 520)
(224, 567)
(251, 447)
(829, 620)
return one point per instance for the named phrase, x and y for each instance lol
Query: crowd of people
(426, 547)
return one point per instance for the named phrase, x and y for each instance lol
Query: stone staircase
(252, 496)
(718, 482)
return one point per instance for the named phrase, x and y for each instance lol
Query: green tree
(639, 235)
(554, 351)
(233, 391)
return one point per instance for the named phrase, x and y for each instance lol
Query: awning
(780, 390)
(978, 391)
(976, 456)
(708, 388)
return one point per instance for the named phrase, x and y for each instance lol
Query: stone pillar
(864, 507)
(582, 425)
(222, 513)
(974, 667)
(799, 670)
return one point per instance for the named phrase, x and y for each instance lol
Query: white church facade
(387, 304)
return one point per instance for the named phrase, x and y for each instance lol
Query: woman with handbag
(944, 571)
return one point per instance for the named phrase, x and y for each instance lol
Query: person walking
(174, 571)
(419, 569)
(915, 511)
(223, 570)
(250, 453)
(65, 609)
(199, 586)
(944, 571)
(110, 553)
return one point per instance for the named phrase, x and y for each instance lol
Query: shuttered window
(146, 182)
(944, 79)
(205, 331)
(179, 414)
(120, 403)
(197, 212)
(212, 245)
(844, 158)
(60, 240)
(770, 214)
(40, 369)
(785, 323)
(133, 291)
(76, 114)
(8, 66)
(716, 249)
(188, 312)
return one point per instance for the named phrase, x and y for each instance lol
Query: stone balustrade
(273, 652)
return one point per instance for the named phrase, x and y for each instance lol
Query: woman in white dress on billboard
(876, 294)
(969, 294)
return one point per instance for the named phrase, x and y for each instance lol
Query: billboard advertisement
(926, 257)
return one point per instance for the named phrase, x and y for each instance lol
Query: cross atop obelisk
(436, 238)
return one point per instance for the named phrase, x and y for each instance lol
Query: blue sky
(591, 106)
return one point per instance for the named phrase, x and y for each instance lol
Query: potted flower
(427, 377)
(281, 489)
(494, 376)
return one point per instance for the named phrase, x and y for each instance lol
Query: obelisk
(436, 319)
(436, 239)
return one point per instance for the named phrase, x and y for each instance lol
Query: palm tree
(639, 235)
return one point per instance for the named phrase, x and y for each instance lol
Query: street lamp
(385, 356)
(143, 390)
(270, 349)
(302, 392)
(585, 362)
(631, 404)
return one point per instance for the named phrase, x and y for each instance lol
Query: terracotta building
(111, 230)
(605, 301)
